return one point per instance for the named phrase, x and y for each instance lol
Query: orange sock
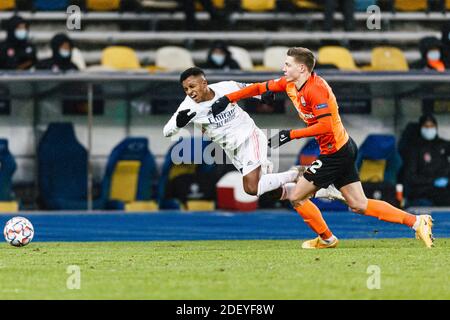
(386, 212)
(313, 218)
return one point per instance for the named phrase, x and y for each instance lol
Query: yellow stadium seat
(7, 4)
(274, 57)
(9, 207)
(141, 206)
(219, 4)
(307, 4)
(411, 5)
(372, 170)
(125, 180)
(199, 205)
(171, 58)
(388, 59)
(121, 58)
(102, 5)
(258, 5)
(447, 4)
(338, 56)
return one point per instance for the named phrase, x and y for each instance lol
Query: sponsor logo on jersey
(321, 106)
(302, 100)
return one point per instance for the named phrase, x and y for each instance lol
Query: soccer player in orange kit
(318, 108)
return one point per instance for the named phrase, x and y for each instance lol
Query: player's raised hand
(183, 117)
(219, 105)
(282, 137)
(268, 97)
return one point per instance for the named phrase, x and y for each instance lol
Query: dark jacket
(15, 52)
(56, 62)
(229, 62)
(446, 45)
(427, 161)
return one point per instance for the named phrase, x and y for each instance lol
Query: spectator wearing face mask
(219, 57)
(431, 51)
(427, 171)
(62, 47)
(17, 52)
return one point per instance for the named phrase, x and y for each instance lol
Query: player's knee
(251, 188)
(358, 205)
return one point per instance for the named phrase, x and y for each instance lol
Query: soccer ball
(18, 232)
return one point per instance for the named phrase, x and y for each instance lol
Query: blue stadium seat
(190, 161)
(7, 168)
(46, 5)
(130, 174)
(378, 159)
(306, 156)
(62, 170)
(379, 162)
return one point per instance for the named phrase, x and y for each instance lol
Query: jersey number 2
(315, 165)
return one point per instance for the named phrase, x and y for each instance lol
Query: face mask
(64, 53)
(428, 133)
(21, 34)
(434, 55)
(218, 59)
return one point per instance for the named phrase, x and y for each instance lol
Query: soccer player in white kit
(233, 129)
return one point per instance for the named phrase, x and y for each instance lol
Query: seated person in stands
(17, 53)
(427, 170)
(219, 57)
(61, 55)
(431, 51)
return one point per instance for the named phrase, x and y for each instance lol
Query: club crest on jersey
(302, 100)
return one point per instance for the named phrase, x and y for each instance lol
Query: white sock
(329, 240)
(321, 193)
(288, 189)
(416, 224)
(272, 181)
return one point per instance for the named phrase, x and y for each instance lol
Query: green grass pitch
(260, 269)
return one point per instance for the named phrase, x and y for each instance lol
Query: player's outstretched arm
(323, 126)
(264, 89)
(179, 120)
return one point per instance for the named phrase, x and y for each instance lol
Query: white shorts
(251, 154)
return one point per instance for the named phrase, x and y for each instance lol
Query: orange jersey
(316, 106)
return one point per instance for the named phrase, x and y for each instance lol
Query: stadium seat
(388, 59)
(46, 5)
(338, 56)
(171, 58)
(231, 194)
(130, 176)
(189, 159)
(362, 5)
(120, 58)
(307, 4)
(411, 5)
(274, 57)
(242, 57)
(308, 153)
(7, 168)
(7, 4)
(78, 59)
(379, 162)
(62, 170)
(103, 5)
(258, 5)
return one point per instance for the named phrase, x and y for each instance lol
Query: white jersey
(230, 129)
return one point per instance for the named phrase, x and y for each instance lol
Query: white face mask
(428, 133)
(434, 55)
(21, 34)
(64, 53)
(218, 59)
